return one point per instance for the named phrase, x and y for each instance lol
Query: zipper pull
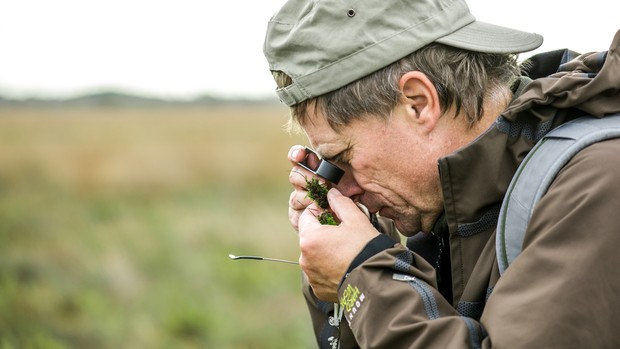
(403, 277)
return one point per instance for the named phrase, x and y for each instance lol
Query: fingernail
(293, 154)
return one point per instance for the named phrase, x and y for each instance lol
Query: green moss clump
(317, 192)
(327, 218)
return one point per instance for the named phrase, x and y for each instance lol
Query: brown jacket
(444, 290)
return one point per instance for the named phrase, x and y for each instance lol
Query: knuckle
(294, 175)
(297, 200)
(292, 200)
(293, 217)
(304, 249)
(303, 263)
(307, 247)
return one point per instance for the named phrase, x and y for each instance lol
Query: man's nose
(348, 186)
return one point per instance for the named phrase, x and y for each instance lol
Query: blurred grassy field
(116, 225)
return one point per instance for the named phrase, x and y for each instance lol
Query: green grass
(116, 225)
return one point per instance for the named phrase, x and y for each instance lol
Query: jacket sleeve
(390, 300)
(562, 290)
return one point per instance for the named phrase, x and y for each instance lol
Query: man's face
(391, 167)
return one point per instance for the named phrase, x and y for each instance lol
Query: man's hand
(327, 251)
(298, 200)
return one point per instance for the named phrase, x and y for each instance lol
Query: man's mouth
(385, 212)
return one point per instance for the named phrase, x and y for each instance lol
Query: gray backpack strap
(535, 174)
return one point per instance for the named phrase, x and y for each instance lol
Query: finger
(344, 208)
(301, 155)
(299, 200)
(297, 153)
(298, 177)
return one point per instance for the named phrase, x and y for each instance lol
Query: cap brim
(490, 38)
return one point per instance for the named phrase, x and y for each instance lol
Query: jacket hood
(590, 83)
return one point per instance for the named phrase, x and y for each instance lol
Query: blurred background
(140, 144)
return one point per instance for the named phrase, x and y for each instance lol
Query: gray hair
(463, 80)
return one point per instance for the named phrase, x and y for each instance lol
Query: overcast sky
(184, 48)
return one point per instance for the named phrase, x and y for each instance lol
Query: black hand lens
(323, 169)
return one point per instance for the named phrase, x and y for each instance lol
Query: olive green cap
(324, 45)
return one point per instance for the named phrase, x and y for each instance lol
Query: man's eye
(344, 157)
(340, 159)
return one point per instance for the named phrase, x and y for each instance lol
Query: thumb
(308, 219)
(344, 208)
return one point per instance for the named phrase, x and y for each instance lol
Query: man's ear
(420, 98)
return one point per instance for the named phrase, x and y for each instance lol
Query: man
(429, 115)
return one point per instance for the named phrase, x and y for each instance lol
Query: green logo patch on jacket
(351, 300)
